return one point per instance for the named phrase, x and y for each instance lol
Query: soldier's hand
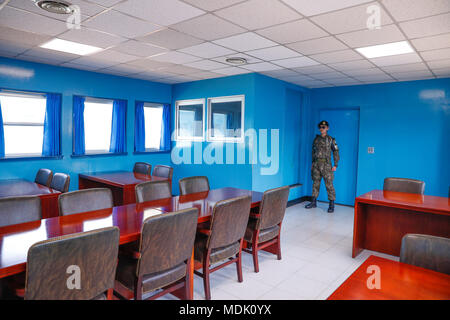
(334, 168)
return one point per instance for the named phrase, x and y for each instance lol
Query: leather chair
(426, 251)
(15, 210)
(44, 177)
(84, 201)
(163, 171)
(193, 184)
(223, 239)
(60, 182)
(263, 229)
(404, 185)
(142, 167)
(165, 256)
(152, 190)
(53, 264)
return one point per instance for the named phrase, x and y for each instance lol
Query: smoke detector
(236, 60)
(55, 6)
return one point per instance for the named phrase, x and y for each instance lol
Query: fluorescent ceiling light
(70, 47)
(388, 49)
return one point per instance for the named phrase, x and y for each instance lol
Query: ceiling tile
(207, 75)
(230, 71)
(261, 66)
(403, 10)
(431, 43)
(78, 66)
(161, 12)
(343, 81)
(30, 22)
(337, 56)
(374, 77)
(180, 69)
(310, 83)
(10, 48)
(170, 39)
(175, 57)
(314, 69)
(320, 45)
(439, 54)
(439, 64)
(120, 24)
(206, 65)
(257, 14)
(364, 72)
(113, 56)
(93, 62)
(207, 50)
(444, 72)
(245, 42)
(296, 62)
(137, 48)
(397, 59)
(106, 3)
(51, 54)
(290, 32)
(352, 65)
(22, 37)
(273, 53)
(297, 78)
(347, 20)
(328, 75)
(208, 27)
(92, 37)
(124, 69)
(282, 73)
(427, 26)
(412, 75)
(311, 8)
(52, 61)
(156, 74)
(249, 59)
(212, 5)
(149, 64)
(405, 67)
(365, 38)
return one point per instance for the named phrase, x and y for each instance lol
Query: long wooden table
(121, 183)
(399, 281)
(382, 218)
(17, 239)
(21, 187)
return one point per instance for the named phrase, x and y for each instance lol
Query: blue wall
(408, 123)
(23, 75)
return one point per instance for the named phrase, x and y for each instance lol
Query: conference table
(21, 187)
(121, 183)
(382, 218)
(398, 281)
(15, 240)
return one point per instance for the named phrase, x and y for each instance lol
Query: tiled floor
(316, 249)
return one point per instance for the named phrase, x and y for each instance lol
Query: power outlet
(371, 150)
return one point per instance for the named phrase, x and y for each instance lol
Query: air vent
(236, 60)
(55, 6)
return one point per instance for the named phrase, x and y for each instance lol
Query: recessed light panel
(384, 50)
(70, 47)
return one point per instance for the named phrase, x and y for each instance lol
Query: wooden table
(17, 239)
(121, 183)
(399, 281)
(21, 187)
(382, 218)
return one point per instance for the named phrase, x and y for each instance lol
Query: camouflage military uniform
(321, 166)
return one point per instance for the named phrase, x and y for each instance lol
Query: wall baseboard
(298, 200)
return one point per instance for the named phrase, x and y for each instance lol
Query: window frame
(188, 103)
(234, 98)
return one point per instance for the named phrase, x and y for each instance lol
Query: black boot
(312, 204)
(331, 207)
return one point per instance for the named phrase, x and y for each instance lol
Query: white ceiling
(309, 43)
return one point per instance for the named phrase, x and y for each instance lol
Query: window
(189, 124)
(97, 125)
(153, 122)
(226, 119)
(23, 123)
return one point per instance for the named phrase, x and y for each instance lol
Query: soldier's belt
(322, 160)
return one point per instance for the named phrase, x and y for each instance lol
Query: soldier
(321, 165)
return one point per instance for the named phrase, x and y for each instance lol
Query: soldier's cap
(323, 123)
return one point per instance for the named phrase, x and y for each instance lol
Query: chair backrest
(142, 167)
(15, 210)
(167, 240)
(426, 251)
(60, 182)
(404, 185)
(193, 184)
(152, 190)
(273, 207)
(228, 221)
(44, 177)
(79, 266)
(163, 171)
(84, 201)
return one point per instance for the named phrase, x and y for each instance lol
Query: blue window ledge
(25, 158)
(93, 155)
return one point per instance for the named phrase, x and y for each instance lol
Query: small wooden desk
(382, 218)
(399, 281)
(121, 183)
(17, 239)
(21, 187)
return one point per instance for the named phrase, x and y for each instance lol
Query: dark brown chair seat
(44, 177)
(193, 185)
(15, 210)
(264, 234)
(404, 185)
(163, 171)
(60, 182)
(143, 168)
(84, 201)
(217, 254)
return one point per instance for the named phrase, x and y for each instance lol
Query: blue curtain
(2, 136)
(78, 125)
(51, 144)
(139, 128)
(165, 129)
(118, 124)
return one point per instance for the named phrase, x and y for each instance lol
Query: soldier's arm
(335, 149)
